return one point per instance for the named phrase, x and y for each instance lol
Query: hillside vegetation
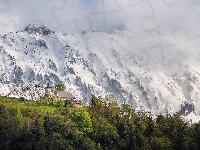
(52, 124)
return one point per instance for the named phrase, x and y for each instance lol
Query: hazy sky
(178, 17)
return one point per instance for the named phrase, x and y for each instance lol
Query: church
(60, 95)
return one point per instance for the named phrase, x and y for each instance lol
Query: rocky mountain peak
(37, 28)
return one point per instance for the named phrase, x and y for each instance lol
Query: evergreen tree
(60, 87)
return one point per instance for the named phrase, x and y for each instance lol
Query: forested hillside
(51, 124)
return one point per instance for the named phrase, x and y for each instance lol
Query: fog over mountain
(139, 65)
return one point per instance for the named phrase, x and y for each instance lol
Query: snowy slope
(141, 66)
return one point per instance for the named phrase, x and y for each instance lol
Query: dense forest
(102, 124)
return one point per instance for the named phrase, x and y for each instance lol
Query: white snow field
(141, 66)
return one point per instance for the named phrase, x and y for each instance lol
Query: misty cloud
(100, 15)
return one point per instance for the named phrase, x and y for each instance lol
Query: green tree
(82, 119)
(127, 111)
(96, 102)
(60, 87)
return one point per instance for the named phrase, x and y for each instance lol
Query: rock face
(37, 29)
(141, 66)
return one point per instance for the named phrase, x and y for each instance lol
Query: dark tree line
(100, 125)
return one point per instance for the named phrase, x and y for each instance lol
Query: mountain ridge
(141, 66)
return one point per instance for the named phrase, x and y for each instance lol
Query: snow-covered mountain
(139, 65)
